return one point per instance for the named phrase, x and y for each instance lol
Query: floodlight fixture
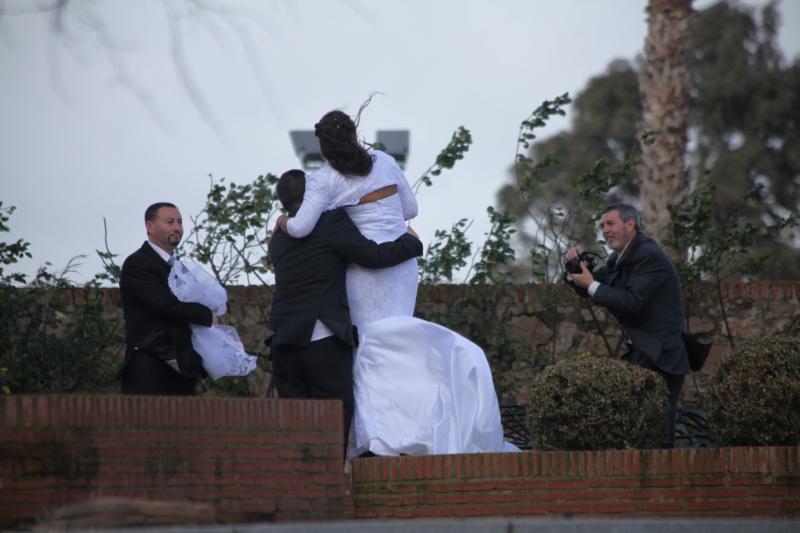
(306, 146)
(395, 143)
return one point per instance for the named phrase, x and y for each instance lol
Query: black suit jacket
(310, 281)
(644, 293)
(155, 318)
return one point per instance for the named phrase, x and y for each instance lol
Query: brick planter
(725, 482)
(279, 458)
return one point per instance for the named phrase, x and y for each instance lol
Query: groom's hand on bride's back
(280, 224)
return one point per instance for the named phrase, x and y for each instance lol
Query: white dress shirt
(163, 254)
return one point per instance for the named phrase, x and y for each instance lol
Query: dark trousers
(674, 385)
(323, 369)
(147, 374)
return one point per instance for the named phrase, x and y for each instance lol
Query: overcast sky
(92, 130)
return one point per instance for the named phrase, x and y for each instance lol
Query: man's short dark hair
(291, 188)
(626, 212)
(151, 212)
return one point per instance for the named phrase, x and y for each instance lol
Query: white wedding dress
(419, 388)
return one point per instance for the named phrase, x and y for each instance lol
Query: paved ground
(500, 525)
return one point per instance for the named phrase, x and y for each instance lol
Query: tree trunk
(664, 85)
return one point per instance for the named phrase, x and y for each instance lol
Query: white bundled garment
(422, 389)
(219, 346)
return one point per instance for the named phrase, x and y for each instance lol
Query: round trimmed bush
(753, 397)
(597, 403)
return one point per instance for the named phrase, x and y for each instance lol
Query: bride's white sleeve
(315, 202)
(407, 199)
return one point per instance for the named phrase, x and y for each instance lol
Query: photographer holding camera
(640, 287)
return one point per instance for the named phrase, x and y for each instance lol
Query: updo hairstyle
(339, 144)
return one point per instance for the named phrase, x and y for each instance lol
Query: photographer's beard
(615, 244)
(619, 239)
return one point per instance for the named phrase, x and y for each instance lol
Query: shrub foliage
(754, 395)
(597, 403)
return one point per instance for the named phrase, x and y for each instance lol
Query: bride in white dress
(419, 388)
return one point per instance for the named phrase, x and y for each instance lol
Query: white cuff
(592, 288)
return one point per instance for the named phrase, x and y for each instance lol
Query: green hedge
(597, 403)
(753, 397)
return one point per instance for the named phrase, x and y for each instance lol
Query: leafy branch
(721, 248)
(230, 234)
(454, 151)
(446, 254)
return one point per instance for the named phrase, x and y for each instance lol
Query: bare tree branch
(27, 7)
(186, 78)
(356, 7)
(251, 50)
(77, 24)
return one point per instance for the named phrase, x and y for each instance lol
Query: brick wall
(549, 320)
(724, 482)
(278, 459)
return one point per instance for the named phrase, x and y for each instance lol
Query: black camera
(574, 266)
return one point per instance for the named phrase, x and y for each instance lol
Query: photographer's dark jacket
(157, 328)
(643, 292)
(310, 280)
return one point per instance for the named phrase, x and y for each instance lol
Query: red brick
(707, 505)
(328, 479)
(783, 491)
(531, 464)
(41, 412)
(580, 464)
(764, 290)
(410, 500)
(686, 494)
(722, 492)
(519, 510)
(494, 498)
(614, 508)
(662, 482)
(568, 508)
(787, 290)
(750, 480)
(613, 482)
(705, 481)
(26, 411)
(450, 499)
(397, 488)
(427, 461)
(512, 484)
(471, 511)
(403, 512)
(661, 506)
(768, 504)
(433, 512)
(642, 494)
(499, 465)
(571, 484)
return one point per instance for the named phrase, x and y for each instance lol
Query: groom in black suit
(640, 287)
(312, 336)
(159, 358)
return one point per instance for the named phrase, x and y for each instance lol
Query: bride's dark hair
(339, 144)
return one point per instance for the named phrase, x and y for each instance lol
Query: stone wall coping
(176, 412)
(733, 290)
(763, 461)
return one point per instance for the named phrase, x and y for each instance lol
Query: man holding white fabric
(159, 358)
